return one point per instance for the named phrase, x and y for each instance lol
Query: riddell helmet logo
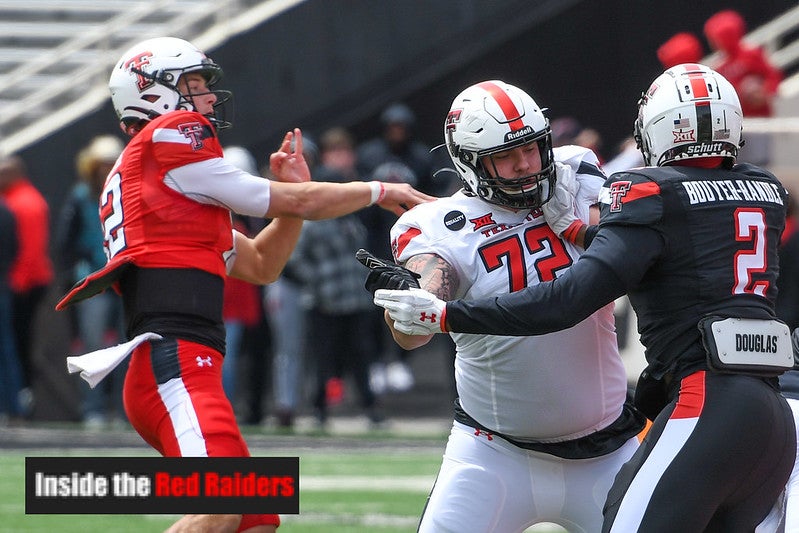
(138, 62)
(513, 135)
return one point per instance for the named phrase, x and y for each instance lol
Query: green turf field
(356, 491)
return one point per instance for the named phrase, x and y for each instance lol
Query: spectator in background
(751, 73)
(340, 312)
(79, 251)
(242, 307)
(565, 131)
(10, 369)
(31, 273)
(395, 156)
(397, 146)
(682, 47)
(569, 130)
(287, 307)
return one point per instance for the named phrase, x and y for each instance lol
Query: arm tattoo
(438, 276)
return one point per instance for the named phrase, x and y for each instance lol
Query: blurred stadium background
(317, 64)
(322, 63)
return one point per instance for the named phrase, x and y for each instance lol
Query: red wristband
(570, 233)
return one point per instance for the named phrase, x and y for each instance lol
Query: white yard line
(331, 483)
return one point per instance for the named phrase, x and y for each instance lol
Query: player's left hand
(559, 210)
(386, 274)
(288, 163)
(414, 311)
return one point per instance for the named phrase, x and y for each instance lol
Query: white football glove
(559, 210)
(414, 311)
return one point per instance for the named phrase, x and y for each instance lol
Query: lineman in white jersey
(541, 422)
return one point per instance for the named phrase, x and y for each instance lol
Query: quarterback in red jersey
(166, 215)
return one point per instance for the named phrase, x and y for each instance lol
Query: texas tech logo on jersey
(194, 132)
(618, 190)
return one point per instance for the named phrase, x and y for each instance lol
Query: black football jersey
(720, 231)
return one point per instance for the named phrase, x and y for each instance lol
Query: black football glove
(386, 274)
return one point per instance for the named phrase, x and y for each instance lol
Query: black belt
(602, 442)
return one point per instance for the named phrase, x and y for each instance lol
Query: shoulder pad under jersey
(582, 160)
(631, 198)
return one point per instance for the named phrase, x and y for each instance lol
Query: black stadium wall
(340, 62)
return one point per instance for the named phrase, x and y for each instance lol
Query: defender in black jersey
(692, 239)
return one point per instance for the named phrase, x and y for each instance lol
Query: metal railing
(51, 101)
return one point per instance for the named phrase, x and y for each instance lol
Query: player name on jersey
(702, 191)
(756, 343)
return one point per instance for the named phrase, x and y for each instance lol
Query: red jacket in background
(742, 64)
(32, 267)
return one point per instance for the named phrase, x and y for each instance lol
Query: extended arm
(261, 259)
(617, 260)
(215, 181)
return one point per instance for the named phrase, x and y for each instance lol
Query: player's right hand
(414, 312)
(399, 197)
(385, 274)
(288, 163)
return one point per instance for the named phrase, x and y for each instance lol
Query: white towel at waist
(94, 366)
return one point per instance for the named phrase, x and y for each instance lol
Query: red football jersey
(147, 223)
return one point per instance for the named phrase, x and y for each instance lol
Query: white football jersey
(547, 388)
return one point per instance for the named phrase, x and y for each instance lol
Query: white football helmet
(689, 111)
(490, 117)
(143, 83)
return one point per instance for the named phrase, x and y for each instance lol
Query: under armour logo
(204, 361)
(432, 317)
(478, 432)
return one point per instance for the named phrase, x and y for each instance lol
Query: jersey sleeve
(217, 182)
(588, 172)
(411, 236)
(182, 138)
(630, 198)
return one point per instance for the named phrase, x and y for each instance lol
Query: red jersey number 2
(112, 216)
